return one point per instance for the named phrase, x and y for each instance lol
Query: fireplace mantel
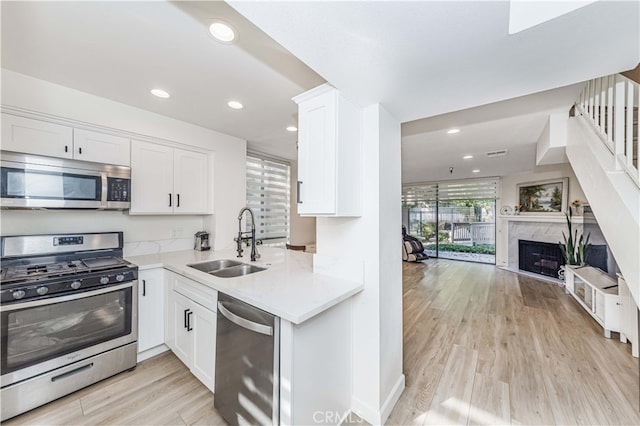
(544, 218)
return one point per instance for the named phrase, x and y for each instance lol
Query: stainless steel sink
(226, 268)
(237, 271)
(214, 265)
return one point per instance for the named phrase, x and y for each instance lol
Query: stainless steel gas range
(69, 315)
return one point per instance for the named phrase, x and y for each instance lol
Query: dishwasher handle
(243, 322)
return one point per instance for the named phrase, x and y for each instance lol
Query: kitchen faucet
(254, 252)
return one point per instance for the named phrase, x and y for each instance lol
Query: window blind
(268, 195)
(475, 189)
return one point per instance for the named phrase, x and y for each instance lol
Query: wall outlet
(176, 233)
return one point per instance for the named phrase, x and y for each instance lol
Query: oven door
(41, 335)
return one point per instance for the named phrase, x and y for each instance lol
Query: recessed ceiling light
(160, 93)
(222, 31)
(453, 131)
(235, 105)
(475, 171)
(467, 157)
(292, 129)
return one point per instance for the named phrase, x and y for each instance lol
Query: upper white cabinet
(20, 134)
(329, 148)
(166, 180)
(191, 181)
(101, 147)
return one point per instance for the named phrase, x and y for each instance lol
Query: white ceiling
(418, 59)
(428, 151)
(120, 50)
(455, 63)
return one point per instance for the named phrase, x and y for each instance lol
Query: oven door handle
(74, 296)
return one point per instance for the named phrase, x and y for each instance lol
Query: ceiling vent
(499, 153)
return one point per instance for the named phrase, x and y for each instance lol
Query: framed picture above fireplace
(544, 197)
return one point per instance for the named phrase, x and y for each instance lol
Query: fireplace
(540, 258)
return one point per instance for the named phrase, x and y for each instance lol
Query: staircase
(602, 147)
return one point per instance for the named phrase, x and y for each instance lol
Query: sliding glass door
(454, 220)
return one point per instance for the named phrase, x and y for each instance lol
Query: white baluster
(618, 149)
(610, 83)
(590, 98)
(629, 125)
(596, 103)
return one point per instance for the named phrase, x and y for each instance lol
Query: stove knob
(119, 277)
(76, 285)
(18, 294)
(42, 291)
(104, 280)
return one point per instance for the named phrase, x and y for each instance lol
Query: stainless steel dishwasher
(247, 387)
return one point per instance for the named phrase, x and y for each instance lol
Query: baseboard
(373, 415)
(392, 399)
(152, 352)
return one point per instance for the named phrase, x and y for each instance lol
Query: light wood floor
(481, 346)
(487, 346)
(160, 391)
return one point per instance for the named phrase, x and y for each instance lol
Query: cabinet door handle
(298, 200)
(144, 287)
(178, 195)
(186, 318)
(80, 150)
(169, 199)
(66, 148)
(189, 328)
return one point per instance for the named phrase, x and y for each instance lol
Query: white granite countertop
(288, 288)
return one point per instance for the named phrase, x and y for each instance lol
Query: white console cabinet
(597, 292)
(329, 154)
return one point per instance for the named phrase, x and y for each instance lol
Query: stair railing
(611, 105)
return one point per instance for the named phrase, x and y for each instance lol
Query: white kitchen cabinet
(203, 333)
(150, 309)
(192, 327)
(329, 154)
(20, 134)
(183, 347)
(29, 136)
(151, 178)
(190, 182)
(101, 147)
(167, 180)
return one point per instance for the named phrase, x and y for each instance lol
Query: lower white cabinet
(150, 309)
(191, 326)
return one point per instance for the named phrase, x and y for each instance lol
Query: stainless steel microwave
(31, 181)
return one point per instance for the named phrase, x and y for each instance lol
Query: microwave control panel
(118, 189)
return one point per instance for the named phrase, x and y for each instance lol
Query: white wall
(509, 197)
(374, 240)
(21, 91)
(303, 228)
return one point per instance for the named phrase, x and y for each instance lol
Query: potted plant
(574, 249)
